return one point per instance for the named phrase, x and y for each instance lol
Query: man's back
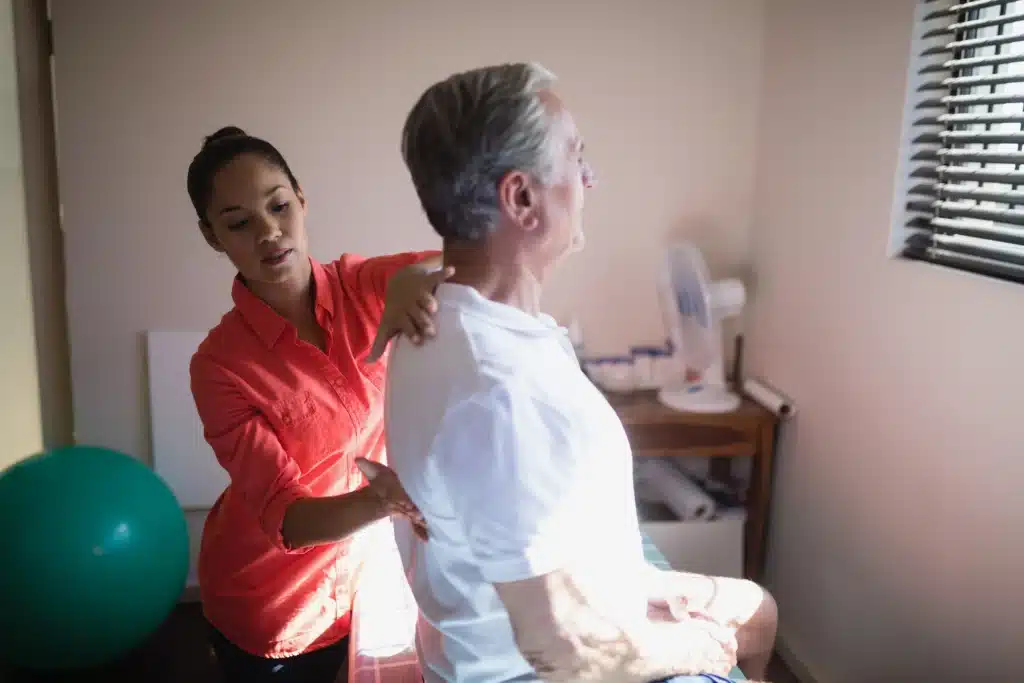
(520, 467)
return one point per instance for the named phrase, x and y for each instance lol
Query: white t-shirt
(520, 467)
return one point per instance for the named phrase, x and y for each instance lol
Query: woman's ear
(210, 238)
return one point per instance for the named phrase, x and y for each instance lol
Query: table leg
(759, 504)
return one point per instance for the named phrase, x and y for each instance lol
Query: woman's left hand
(383, 482)
(409, 307)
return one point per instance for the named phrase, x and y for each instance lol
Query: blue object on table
(656, 558)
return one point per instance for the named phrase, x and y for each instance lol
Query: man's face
(561, 201)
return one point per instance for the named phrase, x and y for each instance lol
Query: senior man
(534, 569)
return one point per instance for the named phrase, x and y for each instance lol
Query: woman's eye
(278, 208)
(239, 224)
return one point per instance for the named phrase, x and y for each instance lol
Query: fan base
(700, 398)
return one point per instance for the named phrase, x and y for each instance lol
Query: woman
(290, 396)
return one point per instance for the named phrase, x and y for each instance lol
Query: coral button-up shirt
(286, 421)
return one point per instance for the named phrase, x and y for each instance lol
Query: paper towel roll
(642, 487)
(678, 492)
(769, 398)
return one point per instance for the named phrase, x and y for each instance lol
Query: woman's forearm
(313, 521)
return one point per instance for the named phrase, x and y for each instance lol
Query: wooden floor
(180, 653)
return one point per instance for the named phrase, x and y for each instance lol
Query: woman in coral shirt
(290, 394)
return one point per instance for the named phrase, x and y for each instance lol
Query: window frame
(910, 148)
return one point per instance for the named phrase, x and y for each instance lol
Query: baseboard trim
(796, 664)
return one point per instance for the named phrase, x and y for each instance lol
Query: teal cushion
(655, 557)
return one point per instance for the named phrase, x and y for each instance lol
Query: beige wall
(668, 106)
(897, 514)
(665, 92)
(896, 544)
(20, 421)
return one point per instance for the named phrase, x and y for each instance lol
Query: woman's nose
(269, 230)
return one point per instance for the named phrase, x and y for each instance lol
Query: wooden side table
(657, 430)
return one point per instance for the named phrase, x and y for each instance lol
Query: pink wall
(897, 515)
(665, 92)
(896, 545)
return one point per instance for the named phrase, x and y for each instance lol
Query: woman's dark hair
(219, 150)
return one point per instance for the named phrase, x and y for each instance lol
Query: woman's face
(257, 219)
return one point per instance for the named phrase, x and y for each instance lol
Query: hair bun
(224, 133)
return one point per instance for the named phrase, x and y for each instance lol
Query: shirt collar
(265, 321)
(510, 317)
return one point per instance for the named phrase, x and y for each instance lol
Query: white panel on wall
(180, 453)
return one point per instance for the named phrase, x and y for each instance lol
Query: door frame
(33, 58)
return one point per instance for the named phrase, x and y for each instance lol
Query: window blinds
(965, 204)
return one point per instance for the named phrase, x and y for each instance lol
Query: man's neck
(503, 280)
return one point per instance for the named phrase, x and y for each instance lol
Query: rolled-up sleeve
(246, 446)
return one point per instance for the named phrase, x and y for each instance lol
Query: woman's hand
(384, 483)
(409, 306)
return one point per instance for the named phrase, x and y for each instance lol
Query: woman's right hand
(385, 484)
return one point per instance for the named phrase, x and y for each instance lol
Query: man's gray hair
(469, 130)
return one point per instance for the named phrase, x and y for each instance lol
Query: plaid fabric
(382, 647)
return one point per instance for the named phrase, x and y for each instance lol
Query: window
(965, 181)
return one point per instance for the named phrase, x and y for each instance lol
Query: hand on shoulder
(409, 307)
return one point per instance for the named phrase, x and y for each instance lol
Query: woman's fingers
(385, 482)
(439, 276)
(423, 322)
(427, 302)
(411, 513)
(410, 330)
(369, 468)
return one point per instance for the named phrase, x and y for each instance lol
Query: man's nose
(588, 176)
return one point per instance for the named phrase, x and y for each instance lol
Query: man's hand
(409, 307)
(699, 632)
(384, 483)
(709, 648)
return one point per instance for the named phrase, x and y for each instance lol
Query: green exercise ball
(94, 557)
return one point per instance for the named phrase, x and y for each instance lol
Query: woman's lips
(277, 258)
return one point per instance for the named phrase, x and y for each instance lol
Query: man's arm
(510, 468)
(565, 639)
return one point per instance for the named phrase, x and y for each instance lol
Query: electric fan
(693, 307)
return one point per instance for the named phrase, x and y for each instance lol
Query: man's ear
(210, 238)
(517, 199)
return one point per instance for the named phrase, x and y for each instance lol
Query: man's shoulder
(463, 350)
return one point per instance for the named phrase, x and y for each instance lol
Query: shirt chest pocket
(310, 430)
